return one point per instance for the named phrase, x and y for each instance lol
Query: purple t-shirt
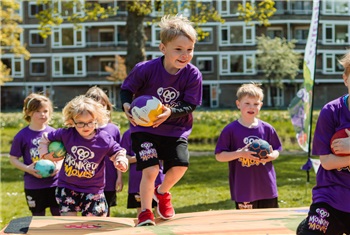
(249, 180)
(134, 175)
(332, 186)
(150, 78)
(111, 172)
(25, 144)
(83, 168)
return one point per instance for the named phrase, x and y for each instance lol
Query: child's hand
(121, 166)
(342, 145)
(126, 107)
(246, 153)
(31, 170)
(120, 161)
(162, 117)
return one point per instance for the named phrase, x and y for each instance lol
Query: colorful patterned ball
(145, 109)
(58, 148)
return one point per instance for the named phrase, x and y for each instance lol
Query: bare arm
(331, 161)
(230, 156)
(23, 167)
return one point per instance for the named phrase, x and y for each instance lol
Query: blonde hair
(82, 104)
(99, 96)
(34, 102)
(172, 26)
(345, 62)
(251, 90)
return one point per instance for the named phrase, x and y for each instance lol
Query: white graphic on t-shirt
(78, 164)
(168, 96)
(34, 152)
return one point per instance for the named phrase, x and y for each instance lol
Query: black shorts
(40, 199)
(134, 201)
(324, 219)
(150, 149)
(111, 198)
(259, 204)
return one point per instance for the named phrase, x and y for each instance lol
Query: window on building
(37, 67)
(148, 33)
(73, 66)
(229, 7)
(106, 62)
(161, 7)
(331, 64)
(331, 7)
(302, 7)
(208, 39)
(122, 7)
(67, 37)
(15, 64)
(237, 35)
(237, 64)
(35, 39)
(205, 64)
(106, 36)
(301, 34)
(68, 8)
(109, 3)
(121, 35)
(204, 5)
(275, 96)
(336, 33)
(34, 9)
(274, 32)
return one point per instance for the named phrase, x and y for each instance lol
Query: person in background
(134, 200)
(113, 179)
(252, 180)
(81, 180)
(39, 192)
(329, 211)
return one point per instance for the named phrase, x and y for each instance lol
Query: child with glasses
(39, 192)
(81, 179)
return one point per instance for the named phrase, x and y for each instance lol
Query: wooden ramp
(248, 222)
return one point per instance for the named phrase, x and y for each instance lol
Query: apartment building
(71, 60)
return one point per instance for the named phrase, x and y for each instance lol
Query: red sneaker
(146, 218)
(164, 208)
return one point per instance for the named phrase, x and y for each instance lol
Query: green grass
(204, 187)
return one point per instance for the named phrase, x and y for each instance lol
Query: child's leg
(172, 176)
(149, 175)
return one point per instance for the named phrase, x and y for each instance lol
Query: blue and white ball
(45, 167)
(145, 109)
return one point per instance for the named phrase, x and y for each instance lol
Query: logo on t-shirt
(34, 152)
(79, 164)
(168, 96)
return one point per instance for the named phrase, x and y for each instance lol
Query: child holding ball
(178, 85)
(252, 180)
(81, 179)
(39, 192)
(329, 212)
